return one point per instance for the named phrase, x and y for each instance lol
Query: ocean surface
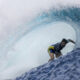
(28, 28)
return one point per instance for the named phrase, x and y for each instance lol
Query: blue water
(65, 67)
(70, 16)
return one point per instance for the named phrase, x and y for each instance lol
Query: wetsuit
(56, 48)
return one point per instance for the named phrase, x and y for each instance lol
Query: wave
(66, 67)
(70, 16)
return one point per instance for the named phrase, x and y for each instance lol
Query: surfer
(55, 49)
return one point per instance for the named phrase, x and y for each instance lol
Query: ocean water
(67, 66)
(64, 68)
(28, 28)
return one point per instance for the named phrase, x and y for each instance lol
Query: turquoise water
(69, 16)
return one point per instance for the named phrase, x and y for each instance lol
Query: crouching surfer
(55, 49)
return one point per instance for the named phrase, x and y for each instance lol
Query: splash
(26, 17)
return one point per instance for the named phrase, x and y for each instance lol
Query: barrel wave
(66, 67)
(24, 53)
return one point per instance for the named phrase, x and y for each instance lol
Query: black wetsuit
(57, 48)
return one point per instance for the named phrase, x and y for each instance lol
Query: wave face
(66, 67)
(68, 15)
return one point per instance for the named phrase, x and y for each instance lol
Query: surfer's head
(64, 42)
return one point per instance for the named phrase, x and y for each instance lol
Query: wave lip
(64, 68)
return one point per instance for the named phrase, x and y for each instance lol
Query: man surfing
(55, 49)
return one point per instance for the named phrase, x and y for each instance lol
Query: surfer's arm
(69, 40)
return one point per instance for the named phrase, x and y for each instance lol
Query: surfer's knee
(58, 55)
(52, 56)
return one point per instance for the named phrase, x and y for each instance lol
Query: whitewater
(27, 28)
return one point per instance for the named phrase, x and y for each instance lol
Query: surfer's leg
(51, 53)
(58, 55)
(51, 56)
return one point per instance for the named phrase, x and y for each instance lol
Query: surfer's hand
(71, 41)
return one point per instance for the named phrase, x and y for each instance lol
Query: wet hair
(64, 40)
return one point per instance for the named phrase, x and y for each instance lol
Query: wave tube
(68, 16)
(66, 67)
